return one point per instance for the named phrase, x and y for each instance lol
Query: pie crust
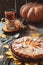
(28, 47)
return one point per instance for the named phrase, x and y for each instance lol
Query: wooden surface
(8, 59)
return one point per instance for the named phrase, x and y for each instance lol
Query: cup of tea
(10, 18)
(10, 14)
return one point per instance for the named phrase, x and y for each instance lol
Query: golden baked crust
(28, 47)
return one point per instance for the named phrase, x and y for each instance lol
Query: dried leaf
(10, 57)
(17, 62)
(35, 34)
(3, 35)
(15, 58)
(33, 63)
(27, 64)
(8, 53)
(5, 46)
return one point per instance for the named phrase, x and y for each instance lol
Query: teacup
(10, 19)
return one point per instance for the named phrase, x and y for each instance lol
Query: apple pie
(28, 47)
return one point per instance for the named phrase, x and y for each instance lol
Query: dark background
(5, 4)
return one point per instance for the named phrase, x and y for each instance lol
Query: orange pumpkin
(33, 12)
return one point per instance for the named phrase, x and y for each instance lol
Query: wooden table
(15, 61)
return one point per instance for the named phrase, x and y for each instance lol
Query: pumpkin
(33, 12)
(24, 9)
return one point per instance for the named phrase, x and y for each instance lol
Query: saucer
(4, 28)
(18, 26)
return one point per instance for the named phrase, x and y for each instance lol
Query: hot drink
(10, 15)
(10, 19)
